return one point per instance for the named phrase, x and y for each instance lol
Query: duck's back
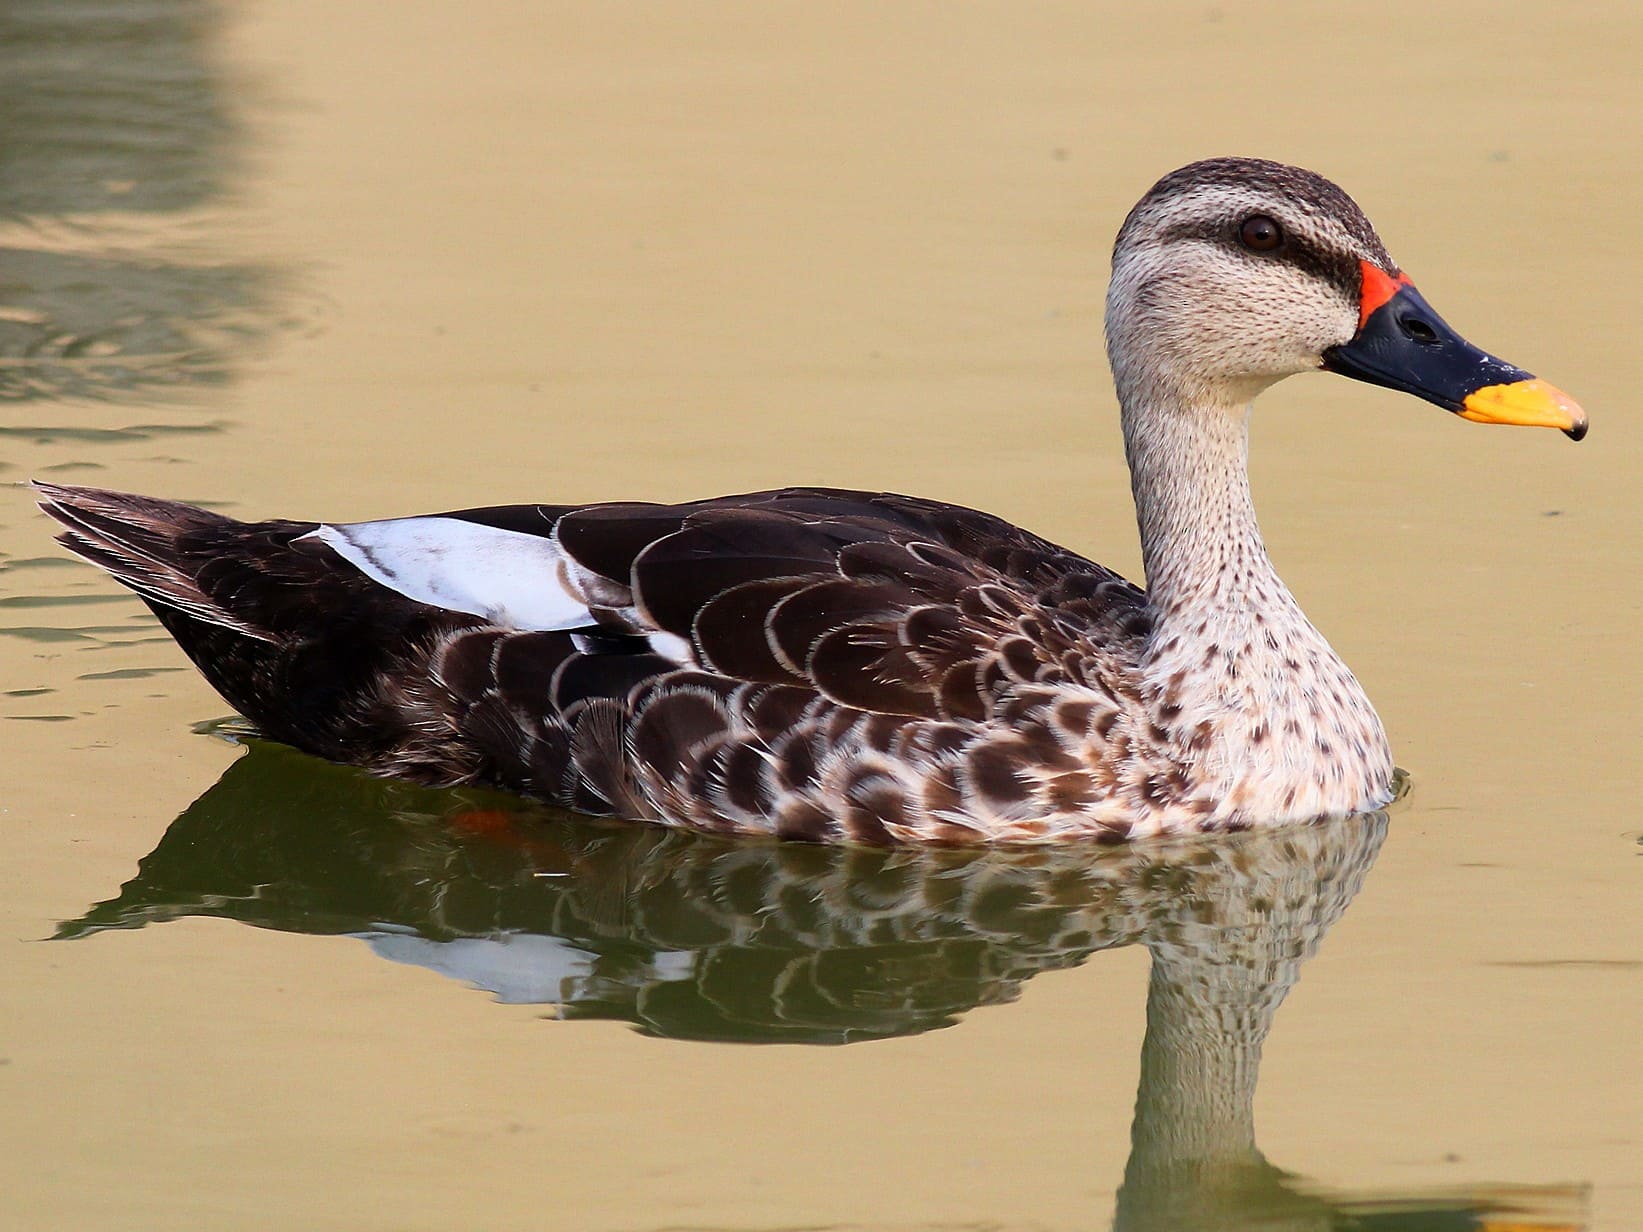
(806, 662)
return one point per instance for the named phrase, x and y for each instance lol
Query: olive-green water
(349, 260)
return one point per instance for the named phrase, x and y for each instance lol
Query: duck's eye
(1260, 233)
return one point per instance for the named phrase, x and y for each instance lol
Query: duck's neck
(1279, 727)
(1200, 543)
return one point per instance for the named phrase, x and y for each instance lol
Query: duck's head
(1233, 273)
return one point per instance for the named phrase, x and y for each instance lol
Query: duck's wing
(883, 603)
(751, 662)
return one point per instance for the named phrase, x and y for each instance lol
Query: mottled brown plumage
(853, 666)
(856, 694)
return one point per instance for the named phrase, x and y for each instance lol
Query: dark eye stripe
(1336, 267)
(1341, 269)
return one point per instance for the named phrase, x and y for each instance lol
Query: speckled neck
(1275, 725)
(1200, 542)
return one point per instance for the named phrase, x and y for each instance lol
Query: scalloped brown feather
(858, 654)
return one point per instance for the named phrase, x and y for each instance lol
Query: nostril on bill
(1417, 329)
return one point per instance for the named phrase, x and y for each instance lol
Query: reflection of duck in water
(703, 938)
(847, 665)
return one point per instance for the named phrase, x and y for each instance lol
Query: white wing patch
(672, 646)
(503, 575)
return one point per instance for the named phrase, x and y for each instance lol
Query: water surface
(317, 261)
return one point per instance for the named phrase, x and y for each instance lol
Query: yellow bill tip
(1530, 404)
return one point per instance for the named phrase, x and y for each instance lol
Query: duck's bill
(1402, 344)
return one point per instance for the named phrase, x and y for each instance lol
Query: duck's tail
(292, 637)
(144, 543)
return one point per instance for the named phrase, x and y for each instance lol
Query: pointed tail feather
(139, 541)
(293, 637)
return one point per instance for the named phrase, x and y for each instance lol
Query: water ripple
(116, 205)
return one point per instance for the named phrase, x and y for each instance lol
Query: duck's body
(807, 663)
(850, 666)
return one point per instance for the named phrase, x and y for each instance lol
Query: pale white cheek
(502, 575)
(1224, 320)
(1333, 324)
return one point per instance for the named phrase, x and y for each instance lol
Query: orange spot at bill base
(1378, 287)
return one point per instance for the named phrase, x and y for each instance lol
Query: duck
(862, 667)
